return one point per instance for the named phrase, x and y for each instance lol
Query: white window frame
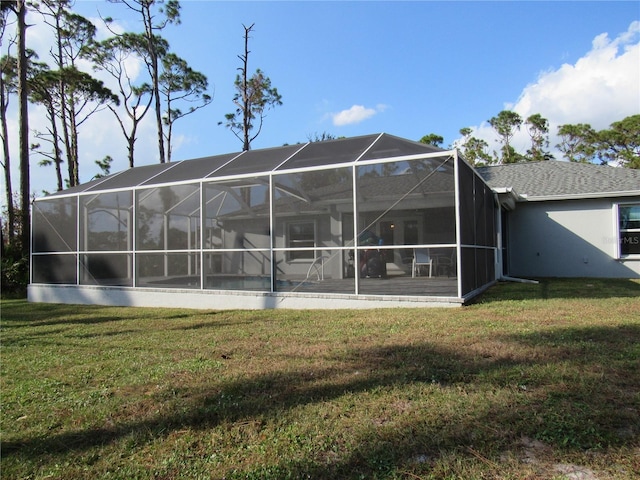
(621, 231)
(289, 240)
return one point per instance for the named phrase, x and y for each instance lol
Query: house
(562, 219)
(370, 221)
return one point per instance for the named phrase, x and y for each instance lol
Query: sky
(354, 68)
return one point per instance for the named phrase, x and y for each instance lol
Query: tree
(254, 96)
(433, 140)
(156, 48)
(19, 8)
(506, 123)
(538, 128)
(8, 87)
(14, 81)
(70, 32)
(322, 137)
(474, 150)
(179, 83)
(577, 142)
(110, 56)
(81, 91)
(621, 143)
(79, 94)
(43, 85)
(105, 166)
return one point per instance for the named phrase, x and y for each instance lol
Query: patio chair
(447, 265)
(421, 258)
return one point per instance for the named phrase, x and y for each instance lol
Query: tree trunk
(73, 154)
(246, 108)
(57, 153)
(131, 144)
(155, 74)
(25, 182)
(158, 108)
(11, 220)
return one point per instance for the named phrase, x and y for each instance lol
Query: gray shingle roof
(562, 179)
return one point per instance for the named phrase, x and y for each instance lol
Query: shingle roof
(559, 179)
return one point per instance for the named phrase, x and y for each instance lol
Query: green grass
(524, 381)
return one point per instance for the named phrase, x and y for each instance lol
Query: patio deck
(392, 285)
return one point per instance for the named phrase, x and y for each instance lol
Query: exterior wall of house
(568, 238)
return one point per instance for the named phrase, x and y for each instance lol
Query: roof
(556, 180)
(260, 162)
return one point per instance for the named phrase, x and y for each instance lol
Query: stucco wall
(569, 238)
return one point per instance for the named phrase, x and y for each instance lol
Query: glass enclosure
(373, 215)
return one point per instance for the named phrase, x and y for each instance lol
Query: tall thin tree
(253, 97)
(169, 11)
(506, 123)
(112, 56)
(8, 87)
(43, 91)
(474, 150)
(180, 84)
(538, 128)
(20, 9)
(80, 94)
(577, 142)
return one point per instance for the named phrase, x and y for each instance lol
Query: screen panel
(114, 269)
(329, 152)
(467, 210)
(256, 161)
(168, 270)
(54, 269)
(411, 202)
(238, 270)
(237, 214)
(326, 271)
(106, 221)
(191, 169)
(389, 146)
(132, 177)
(310, 205)
(55, 225)
(168, 218)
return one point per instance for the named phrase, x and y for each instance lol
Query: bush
(15, 274)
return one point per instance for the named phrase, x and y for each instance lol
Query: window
(629, 229)
(301, 235)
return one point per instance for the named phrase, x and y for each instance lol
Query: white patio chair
(421, 258)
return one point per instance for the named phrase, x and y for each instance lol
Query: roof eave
(507, 197)
(579, 196)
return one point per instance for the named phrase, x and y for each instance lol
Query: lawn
(530, 382)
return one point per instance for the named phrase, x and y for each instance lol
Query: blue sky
(405, 68)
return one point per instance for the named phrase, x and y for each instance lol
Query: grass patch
(528, 381)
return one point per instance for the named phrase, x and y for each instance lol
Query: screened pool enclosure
(339, 223)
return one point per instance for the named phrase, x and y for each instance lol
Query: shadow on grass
(15, 315)
(568, 288)
(43, 337)
(600, 408)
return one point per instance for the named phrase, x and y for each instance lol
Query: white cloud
(355, 114)
(599, 89)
